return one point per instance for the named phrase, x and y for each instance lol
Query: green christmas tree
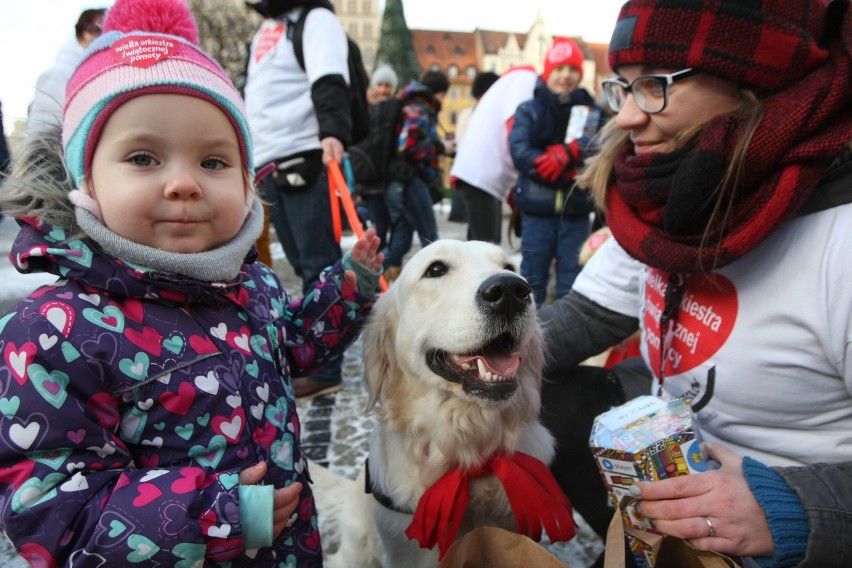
(395, 46)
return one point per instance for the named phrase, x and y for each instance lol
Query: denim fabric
(379, 215)
(410, 208)
(548, 238)
(302, 221)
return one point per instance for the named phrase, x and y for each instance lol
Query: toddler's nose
(181, 184)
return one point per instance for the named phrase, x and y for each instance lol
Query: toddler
(147, 408)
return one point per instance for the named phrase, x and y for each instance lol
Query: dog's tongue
(503, 365)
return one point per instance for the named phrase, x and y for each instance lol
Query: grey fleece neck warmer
(221, 264)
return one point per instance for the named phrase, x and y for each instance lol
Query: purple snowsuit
(130, 401)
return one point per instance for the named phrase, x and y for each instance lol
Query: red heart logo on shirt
(702, 323)
(268, 39)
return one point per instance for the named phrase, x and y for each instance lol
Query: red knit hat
(763, 43)
(564, 51)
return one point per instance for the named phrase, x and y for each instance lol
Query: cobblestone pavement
(336, 429)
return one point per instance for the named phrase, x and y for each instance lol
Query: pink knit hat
(147, 47)
(564, 51)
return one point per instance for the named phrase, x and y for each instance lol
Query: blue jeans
(302, 221)
(379, 215)
(548, 238)
(410, 208)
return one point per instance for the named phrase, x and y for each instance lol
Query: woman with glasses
(726, 179)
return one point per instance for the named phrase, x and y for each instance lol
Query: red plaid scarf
(533, 493)
(660, 204)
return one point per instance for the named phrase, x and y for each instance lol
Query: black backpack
(359, 80)
(374, 159)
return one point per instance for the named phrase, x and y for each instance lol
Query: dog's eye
(436, 270)
(510, 267)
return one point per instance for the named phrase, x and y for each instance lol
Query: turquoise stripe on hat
(75, 150)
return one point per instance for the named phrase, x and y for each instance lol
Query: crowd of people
(158, 378)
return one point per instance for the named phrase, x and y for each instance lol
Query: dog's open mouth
(488, 372)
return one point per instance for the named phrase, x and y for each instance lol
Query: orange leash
(338, 192)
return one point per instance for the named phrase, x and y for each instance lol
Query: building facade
(461, 55)
(362, 20)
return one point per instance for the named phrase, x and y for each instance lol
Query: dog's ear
(379, 346)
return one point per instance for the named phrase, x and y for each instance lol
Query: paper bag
(657, 550)
(490, 547)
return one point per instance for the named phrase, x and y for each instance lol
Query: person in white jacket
(45, 111)
(483, 168)
(299, 119)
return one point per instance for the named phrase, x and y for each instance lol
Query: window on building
(368, 29)
(430, 50)
(435, 67)
(453, 71)
(352, 6)
(470, 71)
(454, 116)
(367, 7)
(458, 51)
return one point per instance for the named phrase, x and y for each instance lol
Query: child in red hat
(554, 217)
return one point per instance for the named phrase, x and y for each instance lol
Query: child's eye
(141, 159)
(213, 163)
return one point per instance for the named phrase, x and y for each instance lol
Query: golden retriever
(452, 360)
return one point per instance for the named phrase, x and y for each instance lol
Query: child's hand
(366, 253)
(285, 499)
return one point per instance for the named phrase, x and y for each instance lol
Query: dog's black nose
(505, 293)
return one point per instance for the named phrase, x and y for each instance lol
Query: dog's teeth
(462, 362)
(483, 372)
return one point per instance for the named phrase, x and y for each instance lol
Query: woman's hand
(366, 253)
(284, 501)
(680, 507)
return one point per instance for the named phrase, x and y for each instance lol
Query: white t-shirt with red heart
(763, 346)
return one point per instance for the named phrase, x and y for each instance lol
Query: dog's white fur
(426, 424)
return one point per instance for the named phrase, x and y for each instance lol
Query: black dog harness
(382, 498)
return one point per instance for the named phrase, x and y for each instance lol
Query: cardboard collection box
(646, 439)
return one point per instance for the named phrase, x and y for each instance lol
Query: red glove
(556, 161)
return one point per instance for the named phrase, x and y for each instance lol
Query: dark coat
(539, 123)
(132, 400)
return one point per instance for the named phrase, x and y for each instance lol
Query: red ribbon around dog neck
(533, 493)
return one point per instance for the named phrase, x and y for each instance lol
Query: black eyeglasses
(651, 92)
